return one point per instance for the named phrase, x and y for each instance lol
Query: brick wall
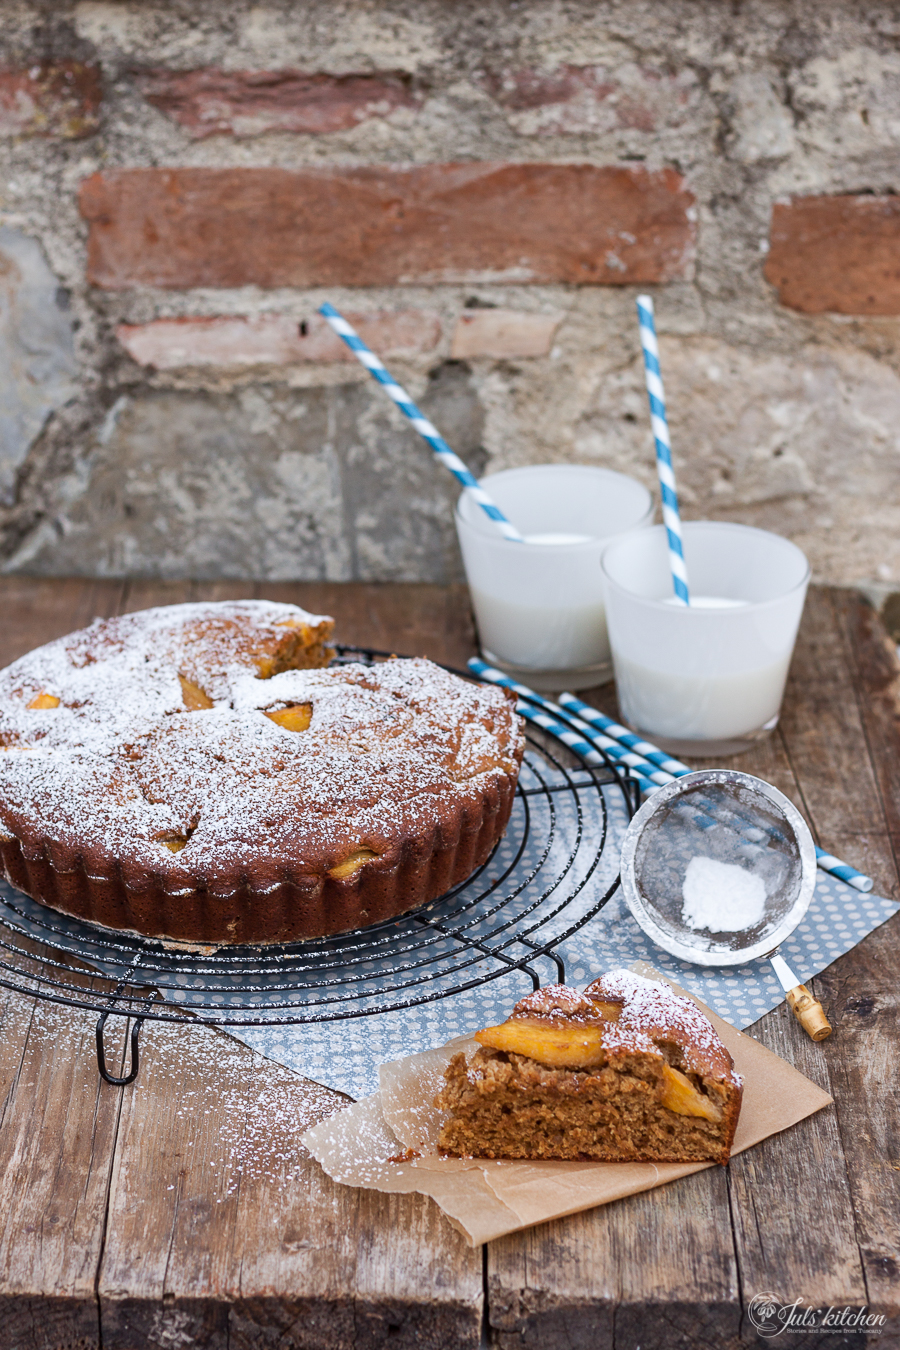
(483, 188)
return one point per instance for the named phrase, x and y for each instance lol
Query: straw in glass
(447, 457)
(659, 422)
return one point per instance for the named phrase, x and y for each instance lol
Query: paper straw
(574, 741)
(646, 773)
(827, 861)
(650, 752)
(448, 458)
(659, 422)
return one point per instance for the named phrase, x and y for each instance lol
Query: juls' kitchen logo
(770, 1317)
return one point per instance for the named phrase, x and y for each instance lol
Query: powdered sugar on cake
(649, 1012)
(121, 763)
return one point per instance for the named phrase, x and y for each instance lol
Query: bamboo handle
(809, 1013)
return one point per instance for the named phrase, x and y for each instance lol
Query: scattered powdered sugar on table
(248, 1114)
(722, 897)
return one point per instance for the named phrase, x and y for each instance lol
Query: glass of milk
(706, 679)
(539, 605)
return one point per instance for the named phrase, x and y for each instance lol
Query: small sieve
(723, 817)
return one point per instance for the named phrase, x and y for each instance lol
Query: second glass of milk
(539, 605)
(706, 679)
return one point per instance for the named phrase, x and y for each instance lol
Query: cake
(628, 1071)
(196, 773)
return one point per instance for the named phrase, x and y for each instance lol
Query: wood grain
(410, 618)
(225, 1232)
(657, 1269)
(183, 1212)
(862, 990)
(790, 1197)
(57, 1133)
(799, 1225)
(36, 610)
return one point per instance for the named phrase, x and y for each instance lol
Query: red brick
(59, 98)
(836, 253)
(233, 341)
(244, 103)
(385, 226)
(574, 100)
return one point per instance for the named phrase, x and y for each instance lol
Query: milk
(539, 604)
(700, 707)
(550, 539)
(708, 676)
(709, 602)
(522, 632)
(546, 637)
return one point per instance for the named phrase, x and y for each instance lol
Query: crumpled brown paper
(365, 1144)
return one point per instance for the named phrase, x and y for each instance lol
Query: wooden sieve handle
(809, 1013)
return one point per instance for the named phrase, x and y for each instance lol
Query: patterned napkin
(345, 1055)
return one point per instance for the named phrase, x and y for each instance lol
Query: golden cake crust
(193, 773)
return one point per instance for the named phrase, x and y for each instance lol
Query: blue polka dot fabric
(345, 1055)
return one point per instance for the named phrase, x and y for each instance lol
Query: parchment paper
(365, 1144)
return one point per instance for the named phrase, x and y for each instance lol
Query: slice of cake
(628, 1071)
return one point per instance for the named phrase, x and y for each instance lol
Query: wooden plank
(224, 1232)
(657, 1269)
(875, 671)
(56, 1147)
(58, 1120)
(792, 1207)
(216, 591)
(268, 1251)
(35, 610)
(416, 619)
(794, 1198)
(790, 1199)
(861, 988)
(411, 618)
(146, 593)
(823, 730)
(860, 991)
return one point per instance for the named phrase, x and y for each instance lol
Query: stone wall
(484, 187)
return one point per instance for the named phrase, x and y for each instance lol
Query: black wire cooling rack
(510, 915)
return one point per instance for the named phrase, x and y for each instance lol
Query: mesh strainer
(734, 821)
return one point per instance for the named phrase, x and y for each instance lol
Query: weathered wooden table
(182, 1212)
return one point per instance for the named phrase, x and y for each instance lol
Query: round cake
(195, 773)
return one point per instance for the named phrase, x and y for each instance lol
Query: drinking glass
(708, 678)
(539, 605)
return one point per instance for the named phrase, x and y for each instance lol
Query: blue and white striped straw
(647, 772)
(421, 423)
(829, 863)
(659, 422)
(575, 742)
(650, 765)
(673, 767)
